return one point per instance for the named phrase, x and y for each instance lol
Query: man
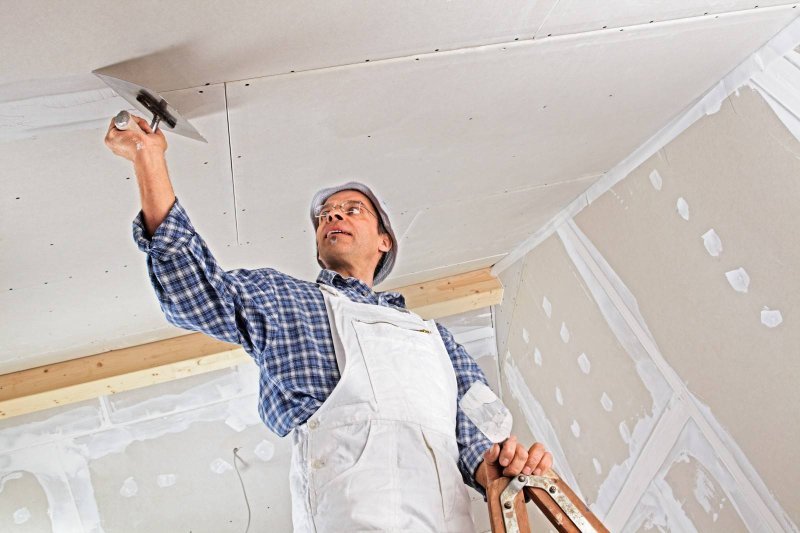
(367, 389)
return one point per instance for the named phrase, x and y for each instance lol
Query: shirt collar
(333, 278)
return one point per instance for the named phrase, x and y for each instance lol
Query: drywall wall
(638, 279)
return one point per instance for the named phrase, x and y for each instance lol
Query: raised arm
(145, 150)
(194, 292)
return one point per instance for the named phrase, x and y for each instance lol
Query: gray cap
(387, 263)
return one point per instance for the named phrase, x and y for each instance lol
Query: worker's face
(360, 244)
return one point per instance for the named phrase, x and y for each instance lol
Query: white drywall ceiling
(543, 126)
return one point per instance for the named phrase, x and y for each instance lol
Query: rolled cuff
(174, 232)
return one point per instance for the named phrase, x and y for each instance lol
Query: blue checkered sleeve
(236, 306)
(472, 444)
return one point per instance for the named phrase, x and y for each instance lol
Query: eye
(353, 210)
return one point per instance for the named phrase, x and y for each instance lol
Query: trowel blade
(129, 92)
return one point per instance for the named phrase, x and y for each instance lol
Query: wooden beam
(454, 294)
(115, 371)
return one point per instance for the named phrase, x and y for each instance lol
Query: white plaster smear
(584, 363)
(606, 402)
(656, 180)
(129, 488)
(564, 333)
(537, 357)
(738, 279)
(559, 396)
(547, 306)
(779, 84)
(598, 468)
(22, 515)
(220, 466)
(525, 336)
(712, 243)
(265, 450)
(166, 480)
(575, 428)
(771, 318)
(683, 208)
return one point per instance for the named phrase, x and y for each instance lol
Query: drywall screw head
(507, 505)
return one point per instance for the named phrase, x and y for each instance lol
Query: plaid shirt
(281, 322)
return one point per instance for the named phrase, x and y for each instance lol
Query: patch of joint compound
(22, 515)
(537, 421)
(564, 332)
(598, 469)
(525, 336)
(771, 317)
(606, 402)
(738, 279)
(235, 423)
(712, 243)
(703, 490)
(220, 466)
(655, 180)
(537, 357)
(265, 450)
(683, 208)
(575, 428)
(547, 306)
(129, 488)
(166, 480)
(559, 396)
(584, 363)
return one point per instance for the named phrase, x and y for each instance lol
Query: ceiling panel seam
(230, 158)
(533, 40)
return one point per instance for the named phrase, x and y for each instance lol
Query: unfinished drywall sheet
(573, 383)
(78, 284)
(704, 235)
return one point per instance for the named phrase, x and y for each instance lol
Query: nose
(335, 214)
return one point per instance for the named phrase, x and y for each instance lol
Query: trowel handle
(123, 120)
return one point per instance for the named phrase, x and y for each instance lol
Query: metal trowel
(149, 102)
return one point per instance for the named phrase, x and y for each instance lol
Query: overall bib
(380, 454)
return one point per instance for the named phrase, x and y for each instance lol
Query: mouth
(337, 233)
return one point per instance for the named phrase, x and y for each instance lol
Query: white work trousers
(380, 454)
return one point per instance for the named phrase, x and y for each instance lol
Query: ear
(385, 243)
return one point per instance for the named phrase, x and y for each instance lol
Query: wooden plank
(454, 294)
(88, 377)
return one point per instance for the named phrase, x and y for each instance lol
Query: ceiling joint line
(544, 20)
(230, 158)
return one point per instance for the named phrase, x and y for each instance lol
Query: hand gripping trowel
(149, 102)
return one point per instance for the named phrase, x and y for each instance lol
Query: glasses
(351, 208)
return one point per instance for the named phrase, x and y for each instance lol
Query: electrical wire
(246, 501)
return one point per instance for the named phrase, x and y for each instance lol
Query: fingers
(539, 460)
(509, 447)
(492, 454)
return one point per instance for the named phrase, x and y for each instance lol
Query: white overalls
(380, 454)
